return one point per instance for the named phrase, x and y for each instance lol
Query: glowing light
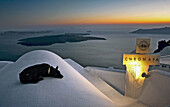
(137, 64)
(137, 70)
(137, 67)
(133, 63)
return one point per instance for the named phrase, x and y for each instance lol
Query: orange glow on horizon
(103, 23)
(88, 21)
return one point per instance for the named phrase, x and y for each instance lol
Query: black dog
(35, 73)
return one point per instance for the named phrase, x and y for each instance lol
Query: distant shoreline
(52, 39)
(164, 30)
(25, 32)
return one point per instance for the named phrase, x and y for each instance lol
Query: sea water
(103, 53)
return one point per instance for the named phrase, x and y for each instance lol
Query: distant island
(164, 30)
(52, 39)
(24, 32)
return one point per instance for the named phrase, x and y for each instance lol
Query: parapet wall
(156, 89)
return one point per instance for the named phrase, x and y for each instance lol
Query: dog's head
(55, 72)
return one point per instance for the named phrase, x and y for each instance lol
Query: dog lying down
(35, 73)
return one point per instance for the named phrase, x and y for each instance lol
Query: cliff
(165, 30)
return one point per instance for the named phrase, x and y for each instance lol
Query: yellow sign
(137, 66)
(142, 45)
(139, 59)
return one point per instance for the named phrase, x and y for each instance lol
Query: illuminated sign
(137, 67)
(141, 59)
(142, 45)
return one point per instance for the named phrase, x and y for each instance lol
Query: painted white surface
(71, 91)
(4, 63)
(115, 78)
(156, 92)
(74, 90)
(165, 59)
(118, 99)
(165, 51)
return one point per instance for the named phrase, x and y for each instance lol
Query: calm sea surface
(105, 53)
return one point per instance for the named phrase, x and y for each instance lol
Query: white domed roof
(73, 90)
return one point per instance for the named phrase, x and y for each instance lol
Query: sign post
(137, 67)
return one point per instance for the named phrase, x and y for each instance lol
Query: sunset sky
(63, 12)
